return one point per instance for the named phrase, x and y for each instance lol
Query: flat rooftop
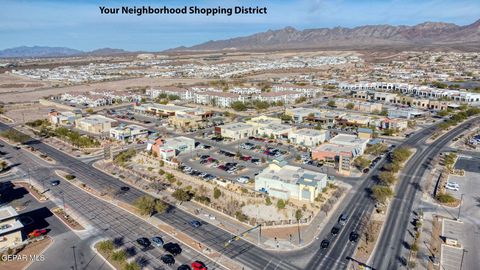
(236, 126)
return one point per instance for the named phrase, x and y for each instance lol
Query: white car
(242, 179)
(453, 184)
(451, 188)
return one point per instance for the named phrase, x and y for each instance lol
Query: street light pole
(460, 206)
(463, 255)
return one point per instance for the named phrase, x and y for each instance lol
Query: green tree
(298, 214)
(3, 165)
(331, 103)
(300, 100)
(281, 204)
(105, 246)
(119, 256)
(286, 118)
(170, 177)
(15, 136)
(238, 106)
(145, 205)
(216, 193)
(182, 195)
(361, 162)
(381, 193)
(350, 106)
(268, 201)
(160, 206)
(401, 154)
(132, 266)
(387, 178)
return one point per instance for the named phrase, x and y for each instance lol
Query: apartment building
(361, 106)
(284, 96)
(306, 90)
(182, 93)
(218, 99)
(286, 182)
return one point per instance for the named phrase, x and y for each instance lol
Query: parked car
(168, 259)
(324, 244)
(198, 265)
(55, 182)
(184, 267)
(195, 223)
(353, 237)
(172, 248)
(124, 189)
(242, 179)
(453, 184)
(144, 242)
(37, 233)
(451, 188)
(158, 241)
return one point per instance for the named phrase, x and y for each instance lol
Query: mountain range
(369, 36)
(424, 35)
(43, 51)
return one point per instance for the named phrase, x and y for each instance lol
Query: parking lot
(451, 256)
(215, 163)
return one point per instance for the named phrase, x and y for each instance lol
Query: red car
(37, 233)
(198, 265)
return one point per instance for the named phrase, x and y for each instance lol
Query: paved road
(335, 257)
(242, 251)
(106, 221)
(390, 242)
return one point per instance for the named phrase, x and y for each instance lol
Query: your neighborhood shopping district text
(195, 10)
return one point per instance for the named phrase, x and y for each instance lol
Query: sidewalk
(273, 238)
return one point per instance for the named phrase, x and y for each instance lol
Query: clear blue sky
(79, 24)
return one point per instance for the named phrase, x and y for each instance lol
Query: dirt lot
(28, 95)
(26, 112)
(13, 83)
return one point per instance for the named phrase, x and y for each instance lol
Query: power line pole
(460, 207)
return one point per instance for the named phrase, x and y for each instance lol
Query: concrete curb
(41, 252)
(146, 220)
